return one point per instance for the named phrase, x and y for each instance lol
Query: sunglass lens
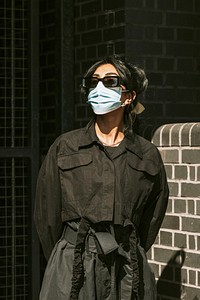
(110, 81)
(93, 83)
(87, 82)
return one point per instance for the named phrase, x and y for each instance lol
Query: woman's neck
(109, 129)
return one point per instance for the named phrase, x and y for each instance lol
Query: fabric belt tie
(104, 241)
(105, 244)
(78, 271)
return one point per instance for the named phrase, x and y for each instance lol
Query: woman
(102, 195)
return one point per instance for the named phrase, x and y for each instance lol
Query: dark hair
(132, 77)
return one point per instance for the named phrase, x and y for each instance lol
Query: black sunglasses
(108, 81)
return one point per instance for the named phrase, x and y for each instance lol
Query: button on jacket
(81, 178)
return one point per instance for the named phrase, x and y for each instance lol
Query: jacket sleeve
(154, 210)
(47, 214)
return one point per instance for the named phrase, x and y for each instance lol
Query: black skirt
(106, 277)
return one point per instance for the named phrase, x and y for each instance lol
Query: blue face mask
(104, 100)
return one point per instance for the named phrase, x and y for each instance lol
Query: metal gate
(19, 269)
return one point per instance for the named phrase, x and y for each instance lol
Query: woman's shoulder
(71, 135)
(148, 149)
(145, 143)
(67, 142)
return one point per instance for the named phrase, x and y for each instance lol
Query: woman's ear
(130, 96)
(133, 95)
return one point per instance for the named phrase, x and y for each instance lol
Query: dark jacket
(80, 178)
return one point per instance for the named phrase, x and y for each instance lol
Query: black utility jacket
(81, 178)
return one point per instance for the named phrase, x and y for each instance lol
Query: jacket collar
(132, 143)
(88, 137)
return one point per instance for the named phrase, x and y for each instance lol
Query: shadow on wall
(170, 281)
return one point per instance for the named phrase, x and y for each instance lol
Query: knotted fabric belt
(105, 243)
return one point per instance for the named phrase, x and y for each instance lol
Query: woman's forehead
(105, 70)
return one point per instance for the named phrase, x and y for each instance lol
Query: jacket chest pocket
(141, 177)
(75, 177)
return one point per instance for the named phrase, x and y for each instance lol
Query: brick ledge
(178, 134)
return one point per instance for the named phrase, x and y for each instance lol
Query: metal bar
(66, 31)
(16, 152)
(13, 229)
(13, 142)
(15, 195)
(34, 96)
(12, 75)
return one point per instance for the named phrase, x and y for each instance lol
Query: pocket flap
(74, 160)
(146, 165)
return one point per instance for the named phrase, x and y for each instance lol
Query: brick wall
(163, 36)
(99, 30)
(49, 93)
(56, 70)
(175, 254)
